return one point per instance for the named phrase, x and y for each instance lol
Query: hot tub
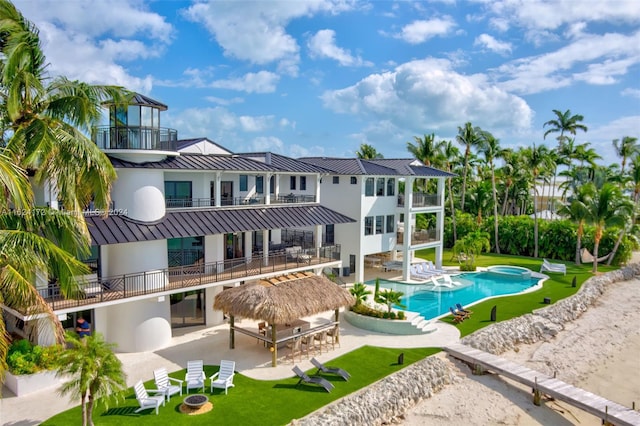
(516, 272)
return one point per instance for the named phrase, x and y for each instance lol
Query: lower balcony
(423, 236)
(108, 289)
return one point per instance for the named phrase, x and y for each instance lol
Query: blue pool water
(431, 302)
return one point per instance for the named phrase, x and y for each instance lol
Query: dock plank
(589, 402)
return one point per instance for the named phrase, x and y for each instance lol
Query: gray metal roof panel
(199, 162)
(283, 162)
(341, 166)
(121, 229)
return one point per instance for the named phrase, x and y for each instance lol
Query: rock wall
(391, 397)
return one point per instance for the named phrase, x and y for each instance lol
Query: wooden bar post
(232, 330)
(274, 347)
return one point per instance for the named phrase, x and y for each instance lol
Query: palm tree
(626, 148)
(490, 147)
(426, 149)
(577, 211)
(564, 123)
(467, 137)
(390, 298)
(536, 162)
(367, 152)
(606, 208)
(470, 246)
(451, 155)
(96, 373)
(360, 292)
(48, 118)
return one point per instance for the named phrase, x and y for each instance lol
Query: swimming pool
(432, 302)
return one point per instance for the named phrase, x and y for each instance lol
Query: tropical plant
(470, 246)
(467, 137)
(577, 211)
(360, 292)
(95, 372)
(367, 152)
(425, 149)
(490, 147)
(26, 358)
(564, 123)
(536, 161)
(626, 148)
(391, 298)
(450, 155)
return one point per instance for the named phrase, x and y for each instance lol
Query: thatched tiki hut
(281, 300)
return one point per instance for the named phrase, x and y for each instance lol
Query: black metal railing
(294, 198)
(124, 286)
(420, 237)
(145, 138)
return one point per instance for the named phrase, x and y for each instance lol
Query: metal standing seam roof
(199, 162)
(284, 163)
(385, 167)
(121, 229)
(184, 143)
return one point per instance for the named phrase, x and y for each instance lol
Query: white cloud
(488, 42)
(420, 31)
(601, 137)
(635, 93)
(260, 82)
(430, 94)
(257, 34)
(267, 143)
(224, 101)
(323, 45)
(256, 124)
(596, 59)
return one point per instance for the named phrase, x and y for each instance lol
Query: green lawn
(557, 287)
(256, 402)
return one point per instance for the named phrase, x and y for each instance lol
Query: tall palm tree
(467, 137)
(426, 149)
(367, 152)
(490, 147)
(536, 161)
(451, 156)
(606, 208)
(626, 148)
(95, 373)
(577, 211)
(564, 123)
(49, 118)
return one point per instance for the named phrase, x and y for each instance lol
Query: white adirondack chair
(223, 379)
(164, 383)
(195, 376)
(147, 401)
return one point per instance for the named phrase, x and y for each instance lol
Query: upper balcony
(135, 138)
(421, 199)
(254, 200)
(181, 278)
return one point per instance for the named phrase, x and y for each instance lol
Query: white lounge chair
(447, 279)
(432, 268)
(195, 376)
(147, 401)
(417, 274)
(437, 283)
(553, 267)
(164, 383)
(223, 379)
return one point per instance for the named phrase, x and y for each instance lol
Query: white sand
(600, 352)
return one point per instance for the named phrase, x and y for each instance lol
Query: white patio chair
(223, 379)
(164, 383)
(553, 267)
(147, 401)
(195, 376)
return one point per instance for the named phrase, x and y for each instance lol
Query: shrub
(401, 315)
(26, 358)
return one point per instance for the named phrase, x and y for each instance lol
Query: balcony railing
(421, 199)
(420, 237)
(179, 203)
(294, 198)
(182, 277)
(145, 138)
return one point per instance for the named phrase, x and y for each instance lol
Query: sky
(322, 77)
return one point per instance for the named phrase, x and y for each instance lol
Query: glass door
(187, 309)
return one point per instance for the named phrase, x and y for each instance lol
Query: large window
(244, 182)
(379, 224)
(380, 187)
(292, 182)
(368, 187)
(260, 184)
(391, 219)
(391, 186)
(303, 183)
(177, 194)
(336, 180)
(368, 225)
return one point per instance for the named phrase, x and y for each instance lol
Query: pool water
(432, 302)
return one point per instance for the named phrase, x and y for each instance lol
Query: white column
(213, 317)
(217, 190)
(265, 247)
(408, 204)
(318, 179)
(440, 222)
(140, 193)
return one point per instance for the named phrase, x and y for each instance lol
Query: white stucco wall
(140, 193)
(142, 256)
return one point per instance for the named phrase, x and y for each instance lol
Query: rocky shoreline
(389, 400)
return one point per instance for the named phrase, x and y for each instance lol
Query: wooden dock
(602, 408)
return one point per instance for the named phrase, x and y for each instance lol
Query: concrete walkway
(211, 345)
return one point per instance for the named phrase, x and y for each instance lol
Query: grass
(256, 402)
(557, 287)
(278, 402)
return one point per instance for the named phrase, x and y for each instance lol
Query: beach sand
(599, 352)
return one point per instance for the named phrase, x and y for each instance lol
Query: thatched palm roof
(280, 301)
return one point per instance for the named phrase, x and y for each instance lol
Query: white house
(191, 218)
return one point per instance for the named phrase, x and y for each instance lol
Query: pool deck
(211, 345)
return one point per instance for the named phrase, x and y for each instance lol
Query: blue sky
(321, 77)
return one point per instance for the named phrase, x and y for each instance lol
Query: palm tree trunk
(553, 190)
(579, 243)
(506, 198)
(616, 246)
(495, 209)
(535, 221)
(596, 245)
(464, 177)
(90, 411)
(453, 212)
(84, 410)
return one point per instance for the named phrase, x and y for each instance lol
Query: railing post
(124, 286)
(144, 280)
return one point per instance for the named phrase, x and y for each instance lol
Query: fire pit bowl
(196, 401)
